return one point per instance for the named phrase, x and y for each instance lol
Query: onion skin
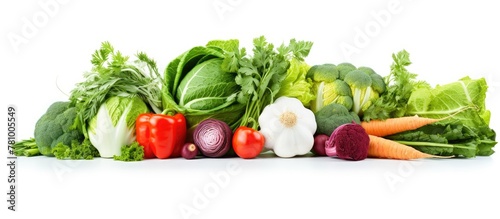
(189, 151)
(319, 144)
(213, 138)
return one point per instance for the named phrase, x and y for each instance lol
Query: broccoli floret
(332, 116)
(345, 68)
(325, 73)
(360, 84)
(328, 88)
(363, 94)
(56, 126)
(333, 92)
(354, 88)
(378, 83)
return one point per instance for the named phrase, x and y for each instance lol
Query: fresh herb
(132, 152)
(77, 151)
(113, 74)
(260, 75)
(400, 85)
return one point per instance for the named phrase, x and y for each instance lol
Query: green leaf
(446, 139)
(465, 97)
(77, 151)
(114, 75)
(226, 45)
(189, 60)
(132, 152)
(206, 86)
(400, 86)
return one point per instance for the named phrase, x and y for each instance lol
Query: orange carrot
(384, 148)
(392, 126)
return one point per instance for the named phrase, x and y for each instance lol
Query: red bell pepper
(162, 136)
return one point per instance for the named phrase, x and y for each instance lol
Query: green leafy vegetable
(26, 148)
(400, 85)
(77, 151)
(114, 124)
(114, 74)
(464, 98)
(260, 76)
(443, 139)
(132, 152)
(197, 86)
(296, 84)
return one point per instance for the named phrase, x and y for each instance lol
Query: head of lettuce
(197, 85)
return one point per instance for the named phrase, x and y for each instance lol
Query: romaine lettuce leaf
(444, 139)
(464, 98)
(462, 101)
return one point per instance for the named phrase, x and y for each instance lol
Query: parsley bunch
(260, 75)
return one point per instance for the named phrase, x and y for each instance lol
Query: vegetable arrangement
(218, 101)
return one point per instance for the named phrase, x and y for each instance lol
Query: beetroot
(349, 142)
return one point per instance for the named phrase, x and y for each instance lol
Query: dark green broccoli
(332, 116)
(56, 126)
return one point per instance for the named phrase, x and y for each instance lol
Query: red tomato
(248, 142)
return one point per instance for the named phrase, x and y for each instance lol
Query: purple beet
(348, 142)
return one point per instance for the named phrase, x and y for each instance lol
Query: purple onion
(319, 144)
(189, 151)
(213, 137)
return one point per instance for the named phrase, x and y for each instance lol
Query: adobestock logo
(31, 25)
(404, 171)
(222, 7)
(364, 35)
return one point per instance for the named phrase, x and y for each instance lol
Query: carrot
(392, 126)
(384, 148)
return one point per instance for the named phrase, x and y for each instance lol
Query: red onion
(319, 144)
(213, 137)
(189, 151)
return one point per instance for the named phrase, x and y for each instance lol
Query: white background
(45, 51)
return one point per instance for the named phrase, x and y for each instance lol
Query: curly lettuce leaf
(132, 152)
(296, 84)
(77, 151)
